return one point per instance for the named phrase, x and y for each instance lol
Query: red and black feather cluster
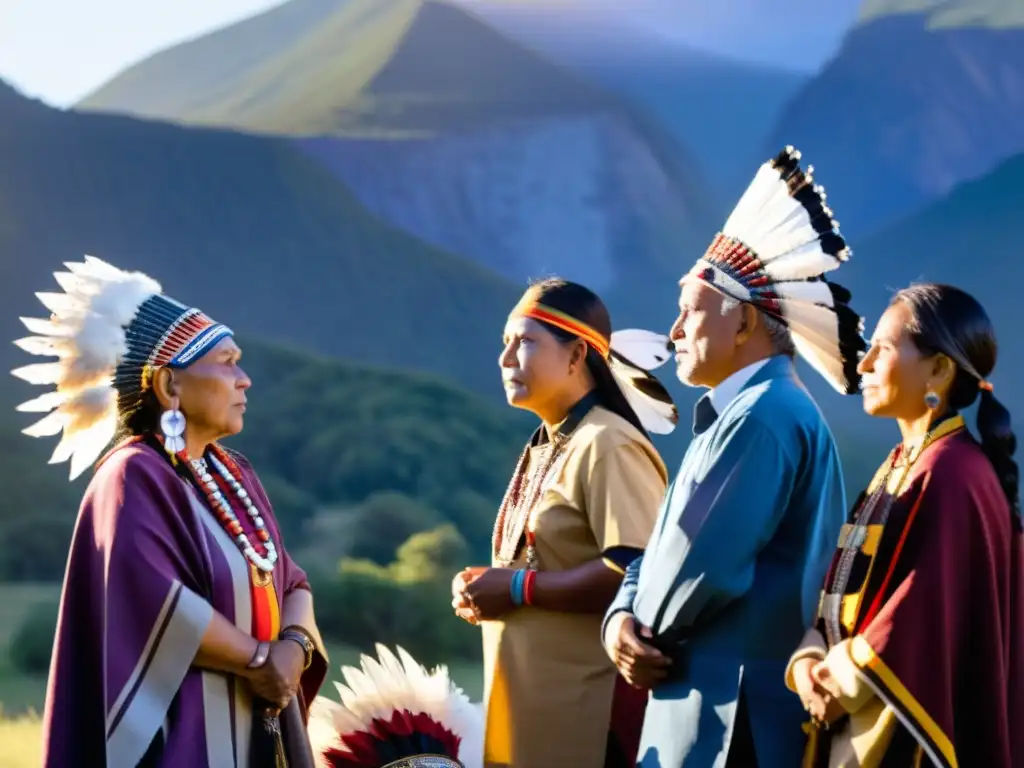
(403, 735)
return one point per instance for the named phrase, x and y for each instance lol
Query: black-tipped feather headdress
(773, 252)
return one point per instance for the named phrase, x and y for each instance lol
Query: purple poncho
(148, 566)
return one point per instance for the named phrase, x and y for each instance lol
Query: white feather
(43, 403)
(818, 324)
(120, 300)
(90, 446)
(61, 304)
(657, 417)
(44, 346)
(828, 366)
(48, 426)
(647, 349)
(800, 264)
(807, 291)
(765, 185)
(101, 344)
(46, 327)
(40, 373)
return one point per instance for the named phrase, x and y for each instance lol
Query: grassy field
(21, 697)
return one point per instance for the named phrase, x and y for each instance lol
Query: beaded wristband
(516, 587)
(528, 587)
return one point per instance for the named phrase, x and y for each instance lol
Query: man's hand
(640, 664)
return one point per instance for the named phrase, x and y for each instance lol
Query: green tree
(383, 522)
(32, 644)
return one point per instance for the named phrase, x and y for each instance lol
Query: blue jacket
(734, 567)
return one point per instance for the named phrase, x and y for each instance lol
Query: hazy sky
(59, 50)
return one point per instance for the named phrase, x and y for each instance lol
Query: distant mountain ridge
(791, 35)
(946, 14)
(245, 227)
(679, 85)
(904, 113)
(357, 67)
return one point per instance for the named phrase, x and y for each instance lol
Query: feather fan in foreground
(773, 253)
(395, 714)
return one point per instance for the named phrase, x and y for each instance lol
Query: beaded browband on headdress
(773, 253)
(394, 713)
(631, 355)
(110, 330)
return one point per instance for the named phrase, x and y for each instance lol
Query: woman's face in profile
(534, 364)
(212, 391)
(896, 376)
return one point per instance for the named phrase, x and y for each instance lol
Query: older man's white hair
(778, 332)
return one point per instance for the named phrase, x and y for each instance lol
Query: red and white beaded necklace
(229, 472)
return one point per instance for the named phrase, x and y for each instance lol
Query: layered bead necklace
(533, 473)
(521, 496)
(229, 473)
(885, 494)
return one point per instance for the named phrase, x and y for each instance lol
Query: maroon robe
(934, 621)
(148, 566)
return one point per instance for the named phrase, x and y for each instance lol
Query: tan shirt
(548, 681)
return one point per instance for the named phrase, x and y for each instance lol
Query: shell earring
(172, 424)
(932, 400)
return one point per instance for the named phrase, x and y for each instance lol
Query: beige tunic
(548, 681)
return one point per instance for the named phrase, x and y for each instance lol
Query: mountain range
(788, 35)
(921, 96)
(451, 131)
(246, 227)
(380, 178)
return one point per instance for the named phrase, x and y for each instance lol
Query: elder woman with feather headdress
(578, 510)
(186, 634)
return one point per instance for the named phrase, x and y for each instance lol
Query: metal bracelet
(299, 636)
(259, 658)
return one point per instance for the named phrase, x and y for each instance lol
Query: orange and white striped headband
(537, 311)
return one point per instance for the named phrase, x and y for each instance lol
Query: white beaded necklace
(265, 564)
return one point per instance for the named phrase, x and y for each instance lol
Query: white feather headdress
(104, 329)
(392, 711)
(773, 253)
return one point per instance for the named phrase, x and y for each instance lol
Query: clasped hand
(278, 679)
(482, 594)
(818, 691)
(641, 664)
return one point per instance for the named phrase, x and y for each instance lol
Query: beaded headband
(110, 330)
(631, 355)
(568, 323)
